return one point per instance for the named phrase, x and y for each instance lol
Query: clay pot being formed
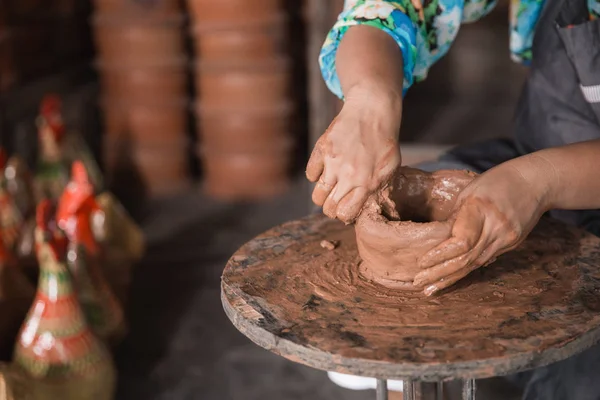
(241, 86)
(245, 175)
(148, 84)
(245, 130)
(146, 123)
(254, 40)
(404, 221)
(138, 7)
(140, 42)
(231, 10)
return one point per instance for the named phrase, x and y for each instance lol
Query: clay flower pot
(240, 86)
(247, 130)
(139, 42)
(146, 123)
(162, 167)
(149, 123)
(404, 221)
(253, 40)
(138, 7)
(231, 10)
(245, 175)
(157, 83)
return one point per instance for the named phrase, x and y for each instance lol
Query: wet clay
(537, 304)
(404, 221)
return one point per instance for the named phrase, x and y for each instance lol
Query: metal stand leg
(469, 389)
(439, 391)
(409, 390)
(382, 390)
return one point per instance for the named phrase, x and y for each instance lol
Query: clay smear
(405, 220)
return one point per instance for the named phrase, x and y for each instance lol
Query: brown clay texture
(138, 8)
(232, 10)
(151, 84)
(153, 124)
(254, 40)
(131, 41)
(535, 305)
(404, 221)
(162, 169)
(249, 175)
(247, 130)
(239, 86)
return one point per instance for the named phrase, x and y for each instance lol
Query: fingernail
(429, 290)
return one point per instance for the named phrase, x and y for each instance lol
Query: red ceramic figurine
(77, 209)
(51, 174)
(58, 149)
(16, 295)
(57, 355)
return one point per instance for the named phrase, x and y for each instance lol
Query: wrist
(541, 178)
(375, 95)
(376, 103)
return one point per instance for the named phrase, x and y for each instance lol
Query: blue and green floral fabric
(425, 30)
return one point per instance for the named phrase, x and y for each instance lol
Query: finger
(465, 235)
(494, 251)
(447, 268)
(330, 206)
(350, 206)
(316, 164)
(447, 281)
(321, 191)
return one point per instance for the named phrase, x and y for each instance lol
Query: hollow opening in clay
(404, 221)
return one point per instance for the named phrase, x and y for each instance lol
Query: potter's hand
(355, 156)
(493, 215)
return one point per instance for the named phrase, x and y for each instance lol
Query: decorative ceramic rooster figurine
(122, 242)
(51, 174)
(12, 218)
(58, 150)
(17, 212)
(16, 295)
(56, 354)
(16, 292)
(77, 209)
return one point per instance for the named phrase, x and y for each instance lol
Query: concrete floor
(182, 346)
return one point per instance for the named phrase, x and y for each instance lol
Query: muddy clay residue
(544, 294)
(404, 221)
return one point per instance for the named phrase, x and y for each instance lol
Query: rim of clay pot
(271, 64)
(279, 20)
(182, 143)
(281, 149)
(119, 20)
(124, 104)
(283, 109)
(167, 63)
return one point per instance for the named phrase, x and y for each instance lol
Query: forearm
(567, 177)
(369, 66)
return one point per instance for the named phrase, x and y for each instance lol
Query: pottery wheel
(534, 306)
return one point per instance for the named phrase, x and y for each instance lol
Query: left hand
(493, 215)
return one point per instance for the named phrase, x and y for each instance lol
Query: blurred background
(202, 115)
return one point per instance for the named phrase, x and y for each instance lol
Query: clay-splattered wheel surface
(534, 306)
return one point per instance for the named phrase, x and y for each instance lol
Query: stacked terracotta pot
(142, 63)
(242, 76)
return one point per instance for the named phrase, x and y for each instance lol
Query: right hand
(357, 154)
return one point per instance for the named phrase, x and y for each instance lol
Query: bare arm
(369, 65)
(569, 176)
(359, 151)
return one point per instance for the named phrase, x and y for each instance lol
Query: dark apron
(560, 104)
(553, 109)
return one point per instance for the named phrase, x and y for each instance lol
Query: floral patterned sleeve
(423, 29)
